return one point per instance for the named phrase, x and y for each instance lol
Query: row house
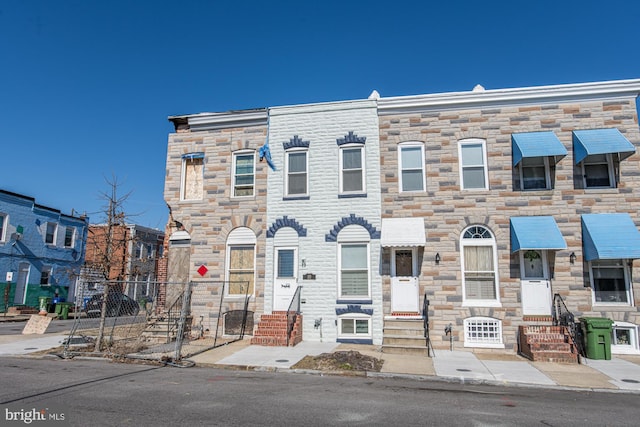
(472, 209)
(41, 250)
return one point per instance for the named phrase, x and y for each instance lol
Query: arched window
(241, 261)
(479, 267)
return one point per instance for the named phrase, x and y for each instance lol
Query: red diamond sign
(202, 270)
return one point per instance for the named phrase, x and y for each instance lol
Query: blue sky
(87, 86)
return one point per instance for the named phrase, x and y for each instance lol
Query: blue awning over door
(536, 144)
(535, 232)
(600, 141)
(610, 236)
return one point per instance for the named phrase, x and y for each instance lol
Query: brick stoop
(272, 330)
(22, 309)
(546, 343)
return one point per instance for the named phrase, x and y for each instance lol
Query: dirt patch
(340, 361)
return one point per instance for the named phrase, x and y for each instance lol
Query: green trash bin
(64, 309)
(43, 304)
(597, 335)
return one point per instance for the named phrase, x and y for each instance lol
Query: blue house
(41, 251)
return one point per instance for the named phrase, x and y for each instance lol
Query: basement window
(483, 332)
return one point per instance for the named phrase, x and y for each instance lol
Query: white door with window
(21, 283)
(535, 284)
(405, 295)
(286, 278)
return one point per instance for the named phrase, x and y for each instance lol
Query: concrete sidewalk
(620, 374)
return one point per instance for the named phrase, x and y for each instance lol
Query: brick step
(543, 329)
(554, 357)
(557, 347)
(269, 341)
(551, 338)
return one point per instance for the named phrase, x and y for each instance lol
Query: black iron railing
(425, 320)
(563, 317)
(173, 316)
(292, 313)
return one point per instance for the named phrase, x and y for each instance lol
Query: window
(149, 251)
(624, 338)
(479, 267)
(243, 174)
(50, 236)
(483, 332)
(610, 282)
(297, 177)
(45, 276)
(240, 262)
(534, 173)
(137, 250)
(354, 270)
(3, 227)
(411, 165)
(597, 171)
(192, 176)
(473, 170)
(68, 237)
(354, 326)
(351, 170)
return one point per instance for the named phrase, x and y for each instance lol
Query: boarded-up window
(192, 187)
(241, 273)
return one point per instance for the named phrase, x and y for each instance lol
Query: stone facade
(208, 222)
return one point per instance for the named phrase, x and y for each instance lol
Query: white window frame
(547, 174)
(183, 178)
(414, 260)
(483, 342)
(241, 237)
(354, 317)
(235, 175)
(630, 348)
(401, 167)
(4, 223)
(54, 234)
(287, 173)
(488, 242)
(73, 237)
(340, 270)
(352, 147)
(49, 270)
(610, 169)
(468, 142)
(628, 288)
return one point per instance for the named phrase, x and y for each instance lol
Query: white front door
(286, 274)
(535, 284)
(21, 284)
(405, 287)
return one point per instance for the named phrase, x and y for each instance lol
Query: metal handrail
(292, 313)
(173, 313)
(563, 317)
(425, 320)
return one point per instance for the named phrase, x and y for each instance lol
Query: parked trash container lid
(596, 322)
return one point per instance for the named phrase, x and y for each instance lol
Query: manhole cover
(463, 370)
(35, 348)
(281, 360)
(630, 381)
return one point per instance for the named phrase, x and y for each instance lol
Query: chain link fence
(159, 321)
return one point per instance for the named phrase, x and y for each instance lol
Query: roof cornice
(228, 119)
(516, 96)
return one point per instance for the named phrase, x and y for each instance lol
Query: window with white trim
(297, 177)
(354, 325)
(598, 172)
(479, 267)
(192, 185)
(51, 233)
(45, 276)
(69, 236)
(610, 282)
(354, 270)
(624, 338)
(240, 262)
(352, 169)
(473, 164)
(411, 167)
(483, 332)
(243, 174)
(535, 173)
(3, 227)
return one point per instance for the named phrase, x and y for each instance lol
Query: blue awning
(536, 144)
(600, 141)
(610, 236)
(535, 232)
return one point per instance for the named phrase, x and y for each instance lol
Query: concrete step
(404, 341)
(404, 323)
(403, 332)
(401, 349)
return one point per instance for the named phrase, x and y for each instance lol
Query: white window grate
(482, 330)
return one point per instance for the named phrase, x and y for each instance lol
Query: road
(99, 393)
(64, 326)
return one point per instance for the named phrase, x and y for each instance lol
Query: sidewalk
(620, 374)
